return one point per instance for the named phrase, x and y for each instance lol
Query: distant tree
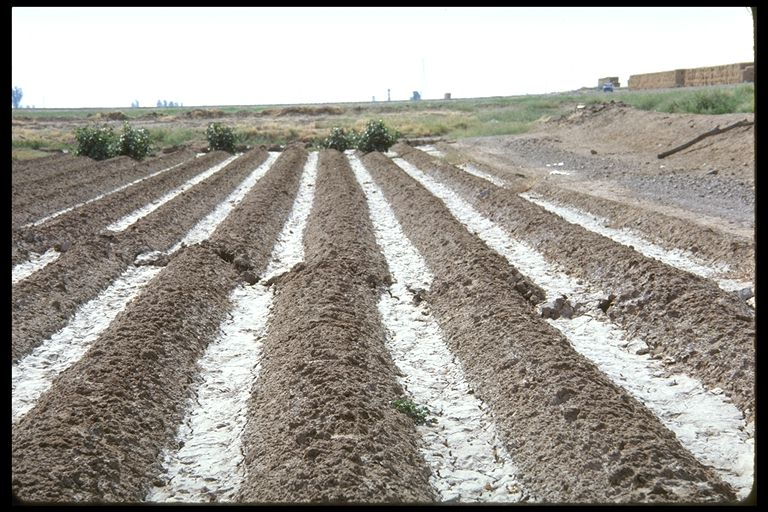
(159, 103)
(165, 103)
(16, 95)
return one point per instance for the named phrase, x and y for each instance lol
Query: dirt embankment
(611, 151)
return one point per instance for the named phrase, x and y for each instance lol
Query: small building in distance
(613, 79)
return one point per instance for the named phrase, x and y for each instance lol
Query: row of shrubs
(102, 142)
(376, 137)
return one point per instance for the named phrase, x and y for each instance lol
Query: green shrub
(376, 137)
(339, 139)
(417, 412)
(220, 137)
(135, 143)
(97, 142)
(714, 102)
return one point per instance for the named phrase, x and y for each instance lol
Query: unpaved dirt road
(573, 317)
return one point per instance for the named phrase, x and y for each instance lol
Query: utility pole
(423, 75)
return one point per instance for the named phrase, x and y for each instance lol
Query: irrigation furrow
(102, 426)
(208, 466)
(67, 229)
(35, 263)
(574, 434)
(663, 225)
(726, 444)
(682, 260)
(321, 426)
(473, 170)
(34, 373)
(687, 321)
(27, 171)
(125, 222)
(78, 185)
(31, 202)
(675, 257)
(102, 196)
(44, 302)
(50, 175)
(591, 212)
(663, 251)
(668, 231)
(468, 461)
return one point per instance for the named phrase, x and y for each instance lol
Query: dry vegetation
(37, 132)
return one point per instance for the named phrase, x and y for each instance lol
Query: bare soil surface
(611, 150)
(670, 308)
(321, 427)
(573, 415)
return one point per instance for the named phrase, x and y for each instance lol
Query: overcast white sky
(109, 57)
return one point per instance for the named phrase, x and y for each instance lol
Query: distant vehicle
(608, 87)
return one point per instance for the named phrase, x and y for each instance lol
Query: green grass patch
(707, 101)
(29, 143)
(165, 137)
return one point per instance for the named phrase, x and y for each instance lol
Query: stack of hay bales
(712, 75)
(613, 79)
(717, 75)
(659, 80)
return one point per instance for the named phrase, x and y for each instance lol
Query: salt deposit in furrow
(471, 169)
(131, 218)
(210, 222)
(33, 264)
(709, 427)
(34, 373)
(432, 150)
(724, 442)
(469, 463)
(118, 189)
(288, 252)
(36, 262)
(209, 465)
(684, 260)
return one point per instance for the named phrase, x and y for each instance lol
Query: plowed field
(557, 317)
